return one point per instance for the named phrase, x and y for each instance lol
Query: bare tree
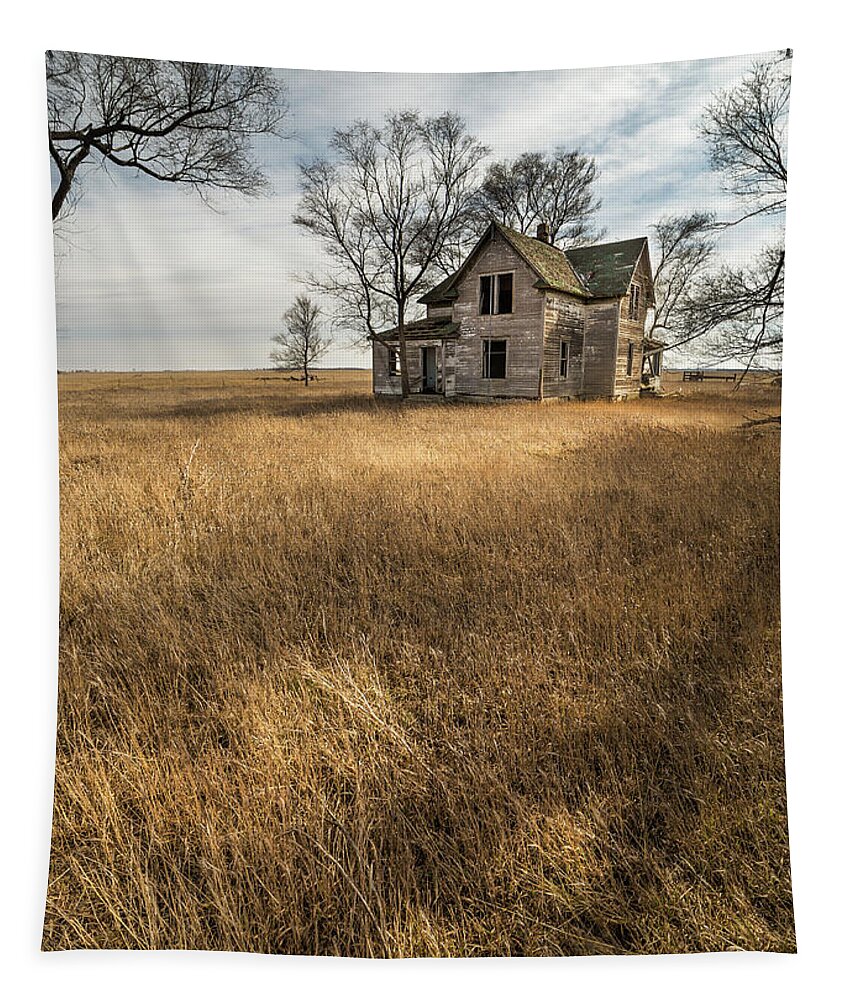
(737, 313)
(300, 344)
(398, 197)
(746, 129)
(556, 189)
(187, 123)
(684, 247)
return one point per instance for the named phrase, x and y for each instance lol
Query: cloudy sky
(148, 276)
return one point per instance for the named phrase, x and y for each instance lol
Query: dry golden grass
(371, 679)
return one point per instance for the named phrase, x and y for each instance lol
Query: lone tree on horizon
(389, 212)
(300, 343)
(181, 122)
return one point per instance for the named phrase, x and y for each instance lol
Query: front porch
(651, 367)
(430, 346)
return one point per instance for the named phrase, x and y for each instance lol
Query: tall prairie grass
(348, 677)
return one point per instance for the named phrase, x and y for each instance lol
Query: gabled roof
(549, 263)
(607, 268)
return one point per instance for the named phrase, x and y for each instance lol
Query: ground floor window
(564, 359)
(394, 366)
(630, 353)
(493, 358)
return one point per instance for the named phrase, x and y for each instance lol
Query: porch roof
(435, 328)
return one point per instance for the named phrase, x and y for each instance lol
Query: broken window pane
(634, 301)
(493, 358)
(485, 294)
(505, 302)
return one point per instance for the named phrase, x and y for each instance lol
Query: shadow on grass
(273, 405)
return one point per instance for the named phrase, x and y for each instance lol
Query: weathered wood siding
(564, 319)
(386, 384)
(440, 309)
(631, 331)
(601, 335)
(382, 381)
(523, 328)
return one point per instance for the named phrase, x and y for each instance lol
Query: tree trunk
(61, 193)
(403, 352)
(66, 176)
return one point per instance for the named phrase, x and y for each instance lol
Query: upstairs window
(394, 366)
(505, 293)
(564, 359)
(634, 301)
(630, 353)
(493, 358)
(496, 294)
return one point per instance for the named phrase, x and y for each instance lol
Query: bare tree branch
(185, 123)
(745, 128)
(736, 313)
(684, 251)
(556, 189)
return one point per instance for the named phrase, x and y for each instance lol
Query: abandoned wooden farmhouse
(522, 318)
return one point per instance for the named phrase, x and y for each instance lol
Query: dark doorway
(429, 369)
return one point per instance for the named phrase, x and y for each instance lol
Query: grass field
(344, 676)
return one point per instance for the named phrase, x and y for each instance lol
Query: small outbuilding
(522, 318)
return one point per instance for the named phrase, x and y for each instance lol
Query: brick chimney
(543, 233)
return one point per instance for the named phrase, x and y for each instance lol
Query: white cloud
(156, 279)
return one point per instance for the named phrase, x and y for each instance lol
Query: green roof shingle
(548, 262)
(607, 268)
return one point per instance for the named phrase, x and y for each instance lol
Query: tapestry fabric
(419, 468)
